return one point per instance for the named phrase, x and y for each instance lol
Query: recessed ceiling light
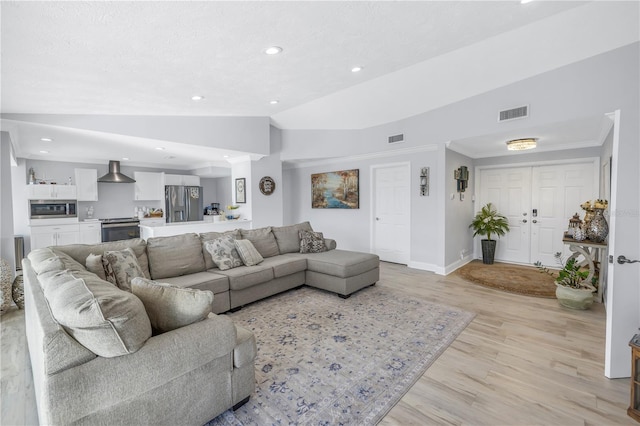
(225, 156)
(125, 158)
(273, 50)
(159, 148)
(525, 1)
(197, 97)
(44, 152)
(356, 69)
(273, 102)
(169, 157)
(46, 139)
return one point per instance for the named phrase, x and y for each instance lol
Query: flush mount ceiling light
(522, 144)
(356, 69)
(197, 98)
(273, 50)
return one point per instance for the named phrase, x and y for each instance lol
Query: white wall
(6, 202)
(458, 214)
(267, 209)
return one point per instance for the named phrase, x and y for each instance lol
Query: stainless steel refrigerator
(183, 203)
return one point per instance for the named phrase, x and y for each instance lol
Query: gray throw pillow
(170, 306)
(263, 240)
(248, 253)
(223, 252)
(94, 265)
(312, 242)
(125, 267)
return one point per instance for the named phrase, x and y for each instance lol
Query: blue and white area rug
(323, 360)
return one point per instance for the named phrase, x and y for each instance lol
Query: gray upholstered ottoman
(342, 272)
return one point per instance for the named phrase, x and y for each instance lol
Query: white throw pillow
(169, 306)
(248, 253)
(223, 252)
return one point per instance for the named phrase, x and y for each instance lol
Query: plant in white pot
(572, 288)
(489, 222)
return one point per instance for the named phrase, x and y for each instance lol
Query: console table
(591, 253)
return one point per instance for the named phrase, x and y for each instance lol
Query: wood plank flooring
(521, 361)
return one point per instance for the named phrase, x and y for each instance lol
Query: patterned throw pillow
(170, 306)
(109, 275)
(125, 267)
(312, 242)
(223, 252)
(248, 253)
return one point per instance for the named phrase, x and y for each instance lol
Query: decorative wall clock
(267, 185)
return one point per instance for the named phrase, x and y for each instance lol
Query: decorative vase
(574, 298)
(17, 291)
(588, 216)
(488, 251)
(598, 228)
(579, 234)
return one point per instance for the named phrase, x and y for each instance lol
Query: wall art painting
(241, 194)
(335, 190)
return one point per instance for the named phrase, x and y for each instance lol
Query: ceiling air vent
(396, 138)
(514, 113)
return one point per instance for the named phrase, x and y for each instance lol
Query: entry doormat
(511, 278)
(323, 360)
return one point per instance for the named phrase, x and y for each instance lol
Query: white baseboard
(426, 267)
(458, 264)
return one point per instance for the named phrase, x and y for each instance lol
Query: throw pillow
(110, 276)
(288, 237)
(223, 252)
(263, 240)
(248, 253)
(170, 306)
(312, 242)
(94, 264)
(125, 267)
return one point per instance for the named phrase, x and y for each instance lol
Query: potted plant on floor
(572, 288)
(489, 222)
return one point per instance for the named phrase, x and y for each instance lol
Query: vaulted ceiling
(150, 58)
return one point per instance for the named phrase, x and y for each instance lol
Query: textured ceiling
(149, 58)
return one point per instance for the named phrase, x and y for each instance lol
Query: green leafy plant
(570, 275)
(488, 221)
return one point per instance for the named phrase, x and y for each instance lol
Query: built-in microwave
(48, 209)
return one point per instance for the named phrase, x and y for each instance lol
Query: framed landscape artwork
(335, 190)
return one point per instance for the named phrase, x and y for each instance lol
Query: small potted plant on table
(489, 222)
(572, 288)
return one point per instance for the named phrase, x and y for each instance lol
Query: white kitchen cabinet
(90, 233)
(51, 192)
(54, 235)
(186, 180)
(149, 186)
(87, 184)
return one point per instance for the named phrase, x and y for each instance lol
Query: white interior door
(508, 190)
(538, 201)
(556, 194)
(391, 212)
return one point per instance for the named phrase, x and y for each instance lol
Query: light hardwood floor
(521, 361)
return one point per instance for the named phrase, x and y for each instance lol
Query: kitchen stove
(120, 228)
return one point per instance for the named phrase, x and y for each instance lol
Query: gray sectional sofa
(114, 369)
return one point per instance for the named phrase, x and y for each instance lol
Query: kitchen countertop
(168, 229)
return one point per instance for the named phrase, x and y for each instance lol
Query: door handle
(622, 260)
(534, 221)
(377, 218)
(524, 221)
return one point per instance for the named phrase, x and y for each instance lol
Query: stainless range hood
(114, 175)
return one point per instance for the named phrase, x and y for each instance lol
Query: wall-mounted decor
(267, 185)
(424, 181)
(461, 175)
(241, 192)
(336, 190)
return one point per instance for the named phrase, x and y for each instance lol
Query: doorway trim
(372, 197)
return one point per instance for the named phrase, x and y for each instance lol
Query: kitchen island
(169, 229)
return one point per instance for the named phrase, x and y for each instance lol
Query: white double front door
(538, 201)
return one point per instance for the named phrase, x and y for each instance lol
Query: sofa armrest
(105, 382)
(331, 244)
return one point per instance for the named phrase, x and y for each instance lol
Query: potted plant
(572, 288)
(489, 222)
